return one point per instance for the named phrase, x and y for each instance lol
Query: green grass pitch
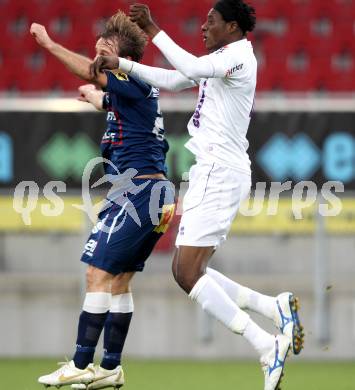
(191, 375)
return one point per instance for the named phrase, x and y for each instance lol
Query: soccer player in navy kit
(134, 218)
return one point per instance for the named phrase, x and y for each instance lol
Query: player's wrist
(125, 65)
(95, 97)
(51, 46)
(152, 30)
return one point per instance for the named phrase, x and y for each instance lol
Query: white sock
(97, 302)
(262, 341)
(215, 301)
(244, 296)
(122, 303)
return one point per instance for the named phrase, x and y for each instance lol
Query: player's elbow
(180, 84)
(191, 73)
(86, 76)
(198, 69)
(176, 88)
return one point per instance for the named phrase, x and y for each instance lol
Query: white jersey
(220, 123)
(220, 180)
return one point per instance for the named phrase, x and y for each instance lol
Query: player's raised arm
(76, 63)
(171, 80)
(225, 24)
(191, 66)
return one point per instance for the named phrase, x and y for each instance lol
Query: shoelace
(63, 367)
(264, 367)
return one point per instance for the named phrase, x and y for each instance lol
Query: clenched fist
(85, 91)
(40, 34)
(89, 94)
(140, 14)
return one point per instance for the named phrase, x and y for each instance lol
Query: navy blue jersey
(134, 137)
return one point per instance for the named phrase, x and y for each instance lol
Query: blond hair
(130, 38)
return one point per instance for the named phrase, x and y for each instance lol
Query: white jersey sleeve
(171, 80)
(225, 62)
(192, 67)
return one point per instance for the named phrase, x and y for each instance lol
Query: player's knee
(89, 276)
(185, 278)
(189, 265)
(121, 283)
(97, 280)
(181, 281)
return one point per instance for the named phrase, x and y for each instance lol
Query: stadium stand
(302, 45)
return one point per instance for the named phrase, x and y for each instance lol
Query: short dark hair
(237, 10)
(131, 39)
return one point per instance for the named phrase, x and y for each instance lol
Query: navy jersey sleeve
(125, 86)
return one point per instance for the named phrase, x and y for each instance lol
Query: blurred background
(303, 130)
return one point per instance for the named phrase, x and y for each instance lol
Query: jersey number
(158, 129)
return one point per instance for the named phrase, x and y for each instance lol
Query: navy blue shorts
(129, 227)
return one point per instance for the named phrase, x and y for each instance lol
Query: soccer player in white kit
(220, 179)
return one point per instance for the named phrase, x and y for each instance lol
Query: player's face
(106, 47)
(214, 31)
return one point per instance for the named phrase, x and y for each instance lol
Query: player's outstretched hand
(39, 32)
(140, 14)
(103, 62)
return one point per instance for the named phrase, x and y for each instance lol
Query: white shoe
(103, 379)
(68, 374)
(273, 362)
(287, 320)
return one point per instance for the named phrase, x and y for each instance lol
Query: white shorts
(211, 203)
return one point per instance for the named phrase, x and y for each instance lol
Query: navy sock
(116, 329)
(89, 330)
